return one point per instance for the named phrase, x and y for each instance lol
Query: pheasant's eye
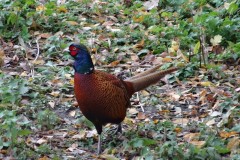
(74, 48)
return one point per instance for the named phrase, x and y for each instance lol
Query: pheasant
(102, 97)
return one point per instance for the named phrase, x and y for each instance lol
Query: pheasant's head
(83, 63)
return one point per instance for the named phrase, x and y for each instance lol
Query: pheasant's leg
(99, 131)
(99, 144)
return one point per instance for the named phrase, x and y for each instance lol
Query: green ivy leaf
(196, 48)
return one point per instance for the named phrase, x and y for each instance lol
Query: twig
(37, 51)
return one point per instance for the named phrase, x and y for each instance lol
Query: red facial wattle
(73, 51)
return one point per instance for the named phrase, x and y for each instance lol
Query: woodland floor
(190, 114)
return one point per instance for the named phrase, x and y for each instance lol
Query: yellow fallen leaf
(73, 23)
(177, 129)
(40, 8)
(206, 84)
(145, 93)
(175, 45)
(62, 9)
(72, 81)
(167, 59)
(138, 19)
(55, 94)
(227, 134)
(155, 121)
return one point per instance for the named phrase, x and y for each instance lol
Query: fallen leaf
(40, 8)
(55, 93)
(198, 144)
(133, 111)
(81, 135)
(211, 122)
(167, 59)
(177, 129)
(44, 158)
(51, 104)
(141, 115)
(72, 113)
(41, 141)
(181, 121)
(191, 136)
(73, 23)
(114, 63)
(233, 144)
(108, 157)
(216, 40)
(225, 134)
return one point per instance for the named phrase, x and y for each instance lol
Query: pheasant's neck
(83, 64)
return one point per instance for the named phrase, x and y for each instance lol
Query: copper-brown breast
(101, 97)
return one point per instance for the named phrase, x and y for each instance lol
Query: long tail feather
(143, 82)
(151, 70)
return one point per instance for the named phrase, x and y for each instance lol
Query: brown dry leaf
(45, 35)
(233, 144)
(44, 158)
(114, 63)
(177, 129)
(191, 136)
(227, 134)
(202, 95)
(141, 115)
(2, 56)
(181, 121)
(164, 112)
(134, 57)
(38, 62)
(139, 45)
(198, 144)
